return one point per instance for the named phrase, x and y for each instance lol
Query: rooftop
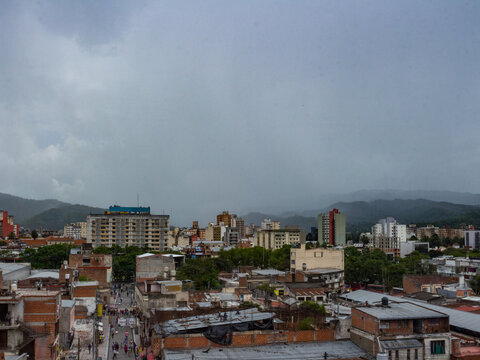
(6, 268)
(204, 321)
(268, 272)
(44, 274)
(401, 344)
(68, 303)
(35, 292)
(460, 320)
(307, 291)
(403, 310)
(314, 350)
(85, 283)
(145, 255)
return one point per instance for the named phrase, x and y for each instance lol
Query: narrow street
(124, 325)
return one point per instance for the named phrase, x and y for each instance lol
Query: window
(389, 354)
(408, 354)
(396, 354)
(416, 354)
(437, 347)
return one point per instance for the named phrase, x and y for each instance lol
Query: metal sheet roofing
(10, 267)
(401, 310)
(401, 344)
(304, 351)
(268, 272)
(204, 321)
(459, 319)
(44, 274)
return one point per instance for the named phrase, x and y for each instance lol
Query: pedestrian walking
(125, 348)
(115, 352)
(89, 348)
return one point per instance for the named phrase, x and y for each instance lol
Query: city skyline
(239, 106)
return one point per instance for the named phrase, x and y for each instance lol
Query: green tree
(202, 271)
(47, 257)
(307, 324)
(34, 234)
(475, 284)
(12, 236)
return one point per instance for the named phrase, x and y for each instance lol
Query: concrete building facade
(126, 226)
(332, 228)
(302, 259)
(275, 239)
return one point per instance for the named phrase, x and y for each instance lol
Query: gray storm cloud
(204, 106)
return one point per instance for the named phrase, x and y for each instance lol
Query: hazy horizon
(204, 106)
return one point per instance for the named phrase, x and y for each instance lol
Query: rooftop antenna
(138, 200)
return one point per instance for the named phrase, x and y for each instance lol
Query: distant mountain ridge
(49, 214)
(363, 208)
(361, 215)
(55, 219)
(23, 209)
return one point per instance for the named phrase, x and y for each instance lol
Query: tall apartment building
(6, 225)
(232, 236)
(389, 227)
(128, 226)
(76, 230)
(332, 228)
(239, 223)
(275, 239)
(472, 239)
(224, 218)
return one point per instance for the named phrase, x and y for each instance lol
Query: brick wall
(364, 321)
(75, 260)
(247, 338)
(84, 291)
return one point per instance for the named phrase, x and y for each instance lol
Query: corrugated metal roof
(9, 267)
(401, 344)
(268, 272)
(44, 274)
(458, 319)
(402, 310)
(303, 351)
(203, 321)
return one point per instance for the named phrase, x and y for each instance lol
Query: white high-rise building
(390, 228)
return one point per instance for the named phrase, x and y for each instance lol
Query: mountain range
(48, 214)
(361, 215)
(362, 208)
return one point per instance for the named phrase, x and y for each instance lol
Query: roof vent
(384, 301)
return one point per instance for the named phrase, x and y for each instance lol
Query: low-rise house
(401, 331)
(150, 295)
(154, 266)
(426, 283)
(85, 264)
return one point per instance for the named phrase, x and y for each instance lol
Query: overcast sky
(240, 105)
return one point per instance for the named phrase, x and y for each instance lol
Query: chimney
(461, 280)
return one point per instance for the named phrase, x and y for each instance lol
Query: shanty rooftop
(204, 321)
(314, 350)
(401, 311)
